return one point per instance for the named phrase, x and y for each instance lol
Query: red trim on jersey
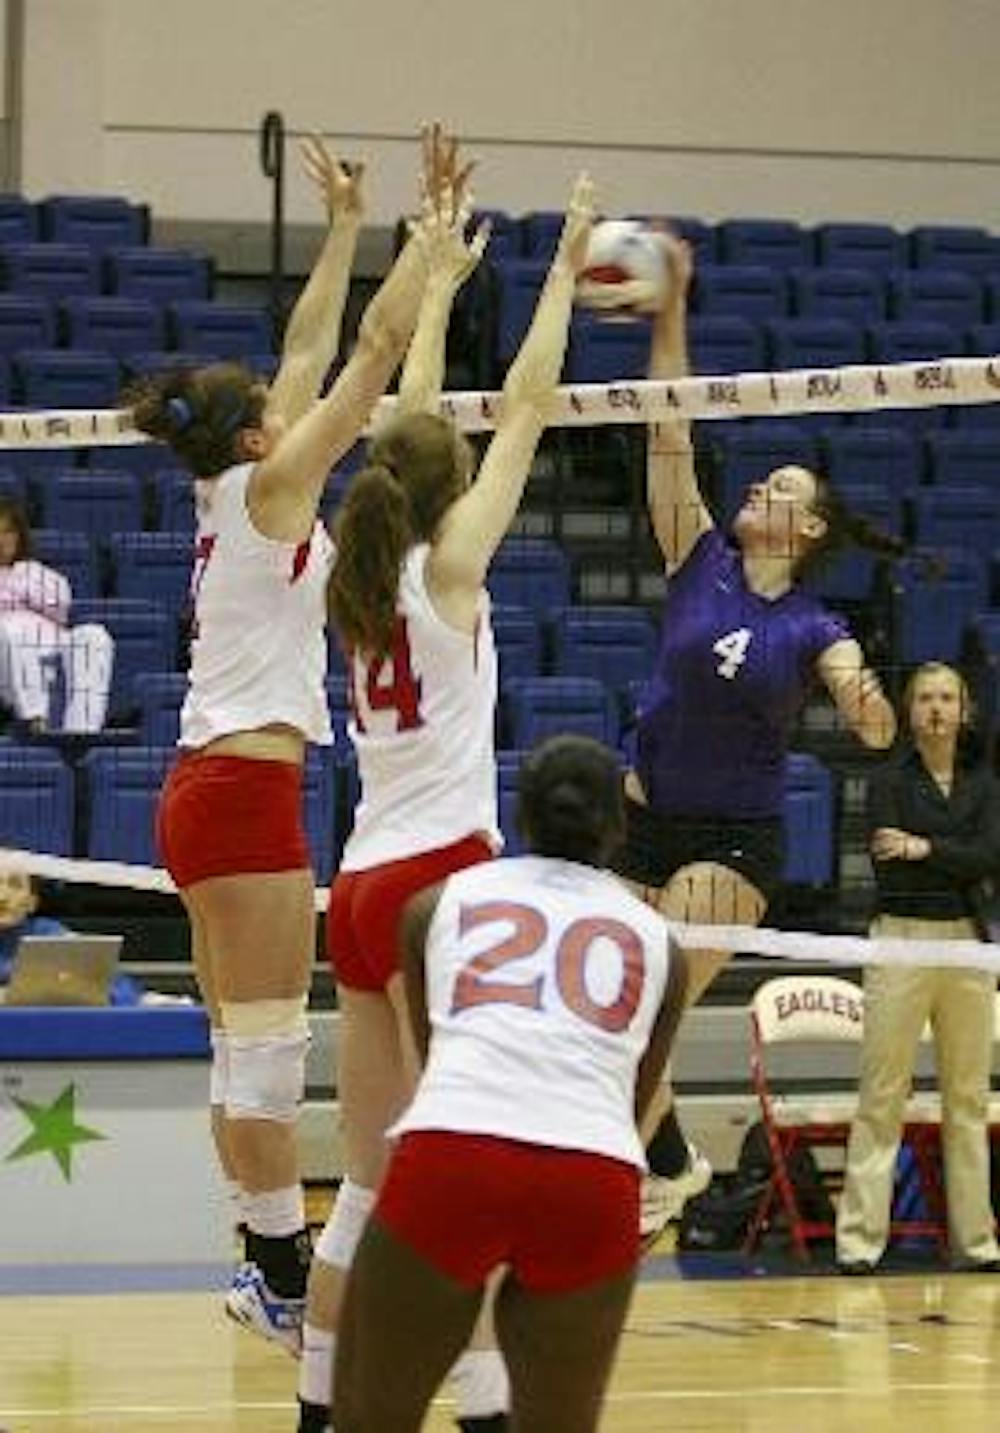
(561, 1219)
(301, 559)
(362, 924)
(230, 815)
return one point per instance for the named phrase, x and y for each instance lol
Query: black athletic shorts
(656, 847)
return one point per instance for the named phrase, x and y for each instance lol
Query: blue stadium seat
(725, 343)
(744, 290)
(36, 800)
(122, 786)
(602, 352)
(18, 220)
(53, 271)
(174, 499)
(530, 572)
(912, 340)
(615, 644)
(14, 487)
(26, 321)
(964, 248)
(991, 285)
(960, 457)
(751, 451)
(775, 243)
(113, 325)
(700, 235)
(70, 553)
(540, 232)
(506, 237)
(227, 332)
(145, 641)
(959, 516)
(97, 220)
(847, 575)
(814, 343)
(860, 246)
(885, 456)
(518, 637)
(855, 295)
(64, 378)
(983, 339)
(938, 295)
(982, 666)
(934, 597)
(518, 284)
(338, 696)
(160, 696)
(155, 566)
(508, 768)
(92, 502)
(141, 461)
(160, 275)
(538, 707)
(146, 363)
(809, 821)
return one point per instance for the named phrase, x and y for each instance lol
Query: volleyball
(626, 270)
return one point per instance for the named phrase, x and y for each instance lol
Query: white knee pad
(267, 1042)
(343, 1230)
(218, 1083)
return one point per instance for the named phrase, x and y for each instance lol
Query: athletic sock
(482, 1388)
(283, 1260)
(667, 1151)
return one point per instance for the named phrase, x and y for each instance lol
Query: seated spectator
(53, 676)
(19, 896)
(934, 819)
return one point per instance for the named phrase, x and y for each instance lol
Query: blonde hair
(929, 669)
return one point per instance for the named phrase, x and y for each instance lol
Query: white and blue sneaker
(251, 1303)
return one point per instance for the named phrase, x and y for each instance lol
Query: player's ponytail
(570, 801)
(844, 528)
(198, 412)
(372, 531)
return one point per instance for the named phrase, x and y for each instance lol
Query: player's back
(544, 979)
(423, 730)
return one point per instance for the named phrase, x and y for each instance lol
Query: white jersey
(423, 731)
(544, 979)
(258, 656)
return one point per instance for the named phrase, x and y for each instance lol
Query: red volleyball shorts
(560, 1219)
(362, 923)
(230, 816)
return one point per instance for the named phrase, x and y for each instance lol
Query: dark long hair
(13, 512)
(844, 528)
(198, 412)
(416, 469)
(569, 800)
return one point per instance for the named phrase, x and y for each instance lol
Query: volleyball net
(903, 443)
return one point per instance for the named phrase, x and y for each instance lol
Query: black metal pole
(272, 162)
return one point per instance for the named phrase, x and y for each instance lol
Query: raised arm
(475, 525)
(291, 478)
(313, 333)
(450, 261)
(676, 509)
(857, 694)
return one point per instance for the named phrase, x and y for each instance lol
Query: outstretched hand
(339, 184)
(444, 179)
(578, 223)
(440, 232)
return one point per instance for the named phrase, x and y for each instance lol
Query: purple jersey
(731, 677)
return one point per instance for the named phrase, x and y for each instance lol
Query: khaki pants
(898, 1001)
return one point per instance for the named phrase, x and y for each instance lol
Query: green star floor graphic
(54, 1130)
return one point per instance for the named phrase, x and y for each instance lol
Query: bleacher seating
(160, 696)
(963, 248)
(145, 637)
(36, 800)
(518, 635)
(751, 451)
(886, 456)
(18, 220)
(814, 342)
(616, 645)
(530, 572)
(725, 343)
(934, 597)
(26, 321)
(99, 221)
(854, 295)
(603, 352)
(540, 232)
(66, 378)
(959, 458)
(221, 331)
(155, 566)
(518, 284)
(776, 243)
(94, 503)
(121, 786)
(937, 295)
(159, 275)
(959, 515)
(54, 271)
(115, 325)
(72, 554)
(847, 576)
(742, 290)
(537, 707)
(860, 246)
(809, 821)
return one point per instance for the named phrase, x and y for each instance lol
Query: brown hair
(417, 468)
(13, 512)
(844, 528)
(198, 411)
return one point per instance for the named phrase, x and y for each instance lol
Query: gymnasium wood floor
(775, 1354)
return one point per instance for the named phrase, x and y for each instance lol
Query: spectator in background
(934, 819)
(53, 676)
(19, 900)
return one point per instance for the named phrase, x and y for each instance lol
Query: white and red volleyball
(626, 271)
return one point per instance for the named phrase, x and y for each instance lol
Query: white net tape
(800, 946)
(853, 389)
